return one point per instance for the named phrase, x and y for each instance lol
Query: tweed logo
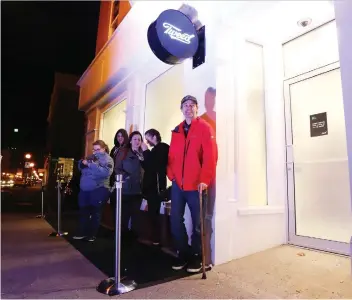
(177, 34)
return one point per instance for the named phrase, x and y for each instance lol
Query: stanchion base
(108, 287)
(40, 217)
(56, 234)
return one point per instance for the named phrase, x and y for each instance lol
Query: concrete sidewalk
(284, 272)
(36, 266)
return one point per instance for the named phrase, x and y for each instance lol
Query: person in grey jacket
(94, 189)
(128, 163)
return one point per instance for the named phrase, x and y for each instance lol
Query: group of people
(144, 175)
(189, 163)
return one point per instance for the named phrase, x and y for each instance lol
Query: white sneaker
(78, 237)
(91, 239)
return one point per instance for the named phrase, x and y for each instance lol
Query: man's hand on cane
(202, 186)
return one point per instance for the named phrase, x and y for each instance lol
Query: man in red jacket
(191, 168)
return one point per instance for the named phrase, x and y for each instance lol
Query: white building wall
(343, 11)
(239, 228)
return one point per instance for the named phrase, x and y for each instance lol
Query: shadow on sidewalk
(147, 265)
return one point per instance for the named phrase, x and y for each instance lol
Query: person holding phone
(94, 190)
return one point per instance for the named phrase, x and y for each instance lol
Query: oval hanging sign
(172, 37)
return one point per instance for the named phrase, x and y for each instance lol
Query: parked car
(6, 183)
(20, 183)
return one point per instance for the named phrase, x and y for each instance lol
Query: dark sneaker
(179, 264)
(78, 237)
(195, 265)
(90, 239)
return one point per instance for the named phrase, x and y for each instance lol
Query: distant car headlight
(10, 182)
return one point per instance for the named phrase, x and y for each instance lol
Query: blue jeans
(179, 199)
(90, 208)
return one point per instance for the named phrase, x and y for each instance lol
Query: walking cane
(202, 231)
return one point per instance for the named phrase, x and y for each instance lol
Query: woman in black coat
(154, 181)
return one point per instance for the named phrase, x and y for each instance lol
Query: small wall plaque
(318, 125)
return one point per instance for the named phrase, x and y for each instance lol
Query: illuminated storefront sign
(172, 37)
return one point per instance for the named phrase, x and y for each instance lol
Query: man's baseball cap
(189, 97)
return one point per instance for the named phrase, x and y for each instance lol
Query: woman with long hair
(129, 165)
(120, 142)
(94, 189)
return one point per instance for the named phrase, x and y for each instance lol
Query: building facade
(281, 71)
(65, 133)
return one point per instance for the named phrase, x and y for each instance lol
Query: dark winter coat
(155, 166)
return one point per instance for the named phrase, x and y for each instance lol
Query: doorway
(320, 214)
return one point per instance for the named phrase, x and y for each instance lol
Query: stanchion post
(42, 216)
(58, 232)
(114, 285)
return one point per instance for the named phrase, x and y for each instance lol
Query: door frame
(303, 241)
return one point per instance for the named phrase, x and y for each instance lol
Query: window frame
(113, 23)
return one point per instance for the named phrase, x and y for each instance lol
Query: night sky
(37, 39)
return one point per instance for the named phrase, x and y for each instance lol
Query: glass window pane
(256, 132)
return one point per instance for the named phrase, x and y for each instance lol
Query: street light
(15, 130)
(31, 165)
(28, 156)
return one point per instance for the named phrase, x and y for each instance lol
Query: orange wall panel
(125, 7)
(103, 25)
(104, 21)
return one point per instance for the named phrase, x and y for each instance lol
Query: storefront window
(163, 98)
(255, 125)
(113, 120)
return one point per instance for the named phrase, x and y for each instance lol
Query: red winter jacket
(193, 160)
